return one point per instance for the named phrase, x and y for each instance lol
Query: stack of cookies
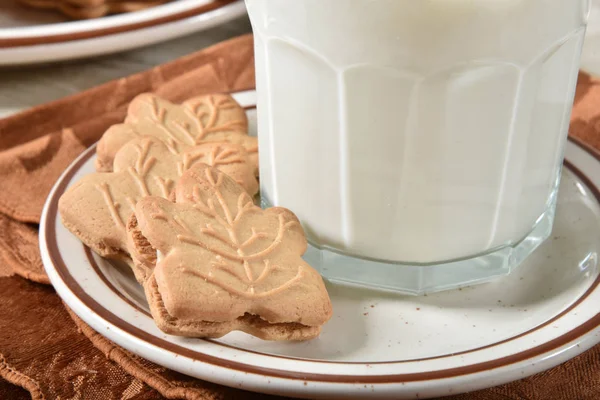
(86, 9)
(174, 198)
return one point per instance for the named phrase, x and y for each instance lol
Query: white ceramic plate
(28, 36)
(377, 344)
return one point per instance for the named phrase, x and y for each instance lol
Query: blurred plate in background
(29, 36)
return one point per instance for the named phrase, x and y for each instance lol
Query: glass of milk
(420, 142)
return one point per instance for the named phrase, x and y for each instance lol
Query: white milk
(415, 130)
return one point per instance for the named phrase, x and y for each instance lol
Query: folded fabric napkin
(49, 352)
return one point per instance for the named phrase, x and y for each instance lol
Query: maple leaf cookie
(224, 264)
(210, 118)
(96, 208)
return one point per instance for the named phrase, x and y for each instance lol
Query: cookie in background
(88, 9)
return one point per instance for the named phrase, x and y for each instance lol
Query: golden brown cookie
(96, 208)
(87, 9)
(211, 118)
(218, 263)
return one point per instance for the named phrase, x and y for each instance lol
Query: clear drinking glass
(420, 142)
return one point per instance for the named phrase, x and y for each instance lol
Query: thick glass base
(427, 278)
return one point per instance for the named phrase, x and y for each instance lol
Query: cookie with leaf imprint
(97, 207)
(209, 118)
(219, 263)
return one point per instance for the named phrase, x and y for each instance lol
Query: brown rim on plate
(108, 283)
(67, 37)
(52, 250)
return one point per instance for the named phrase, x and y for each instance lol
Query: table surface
(24, 87)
